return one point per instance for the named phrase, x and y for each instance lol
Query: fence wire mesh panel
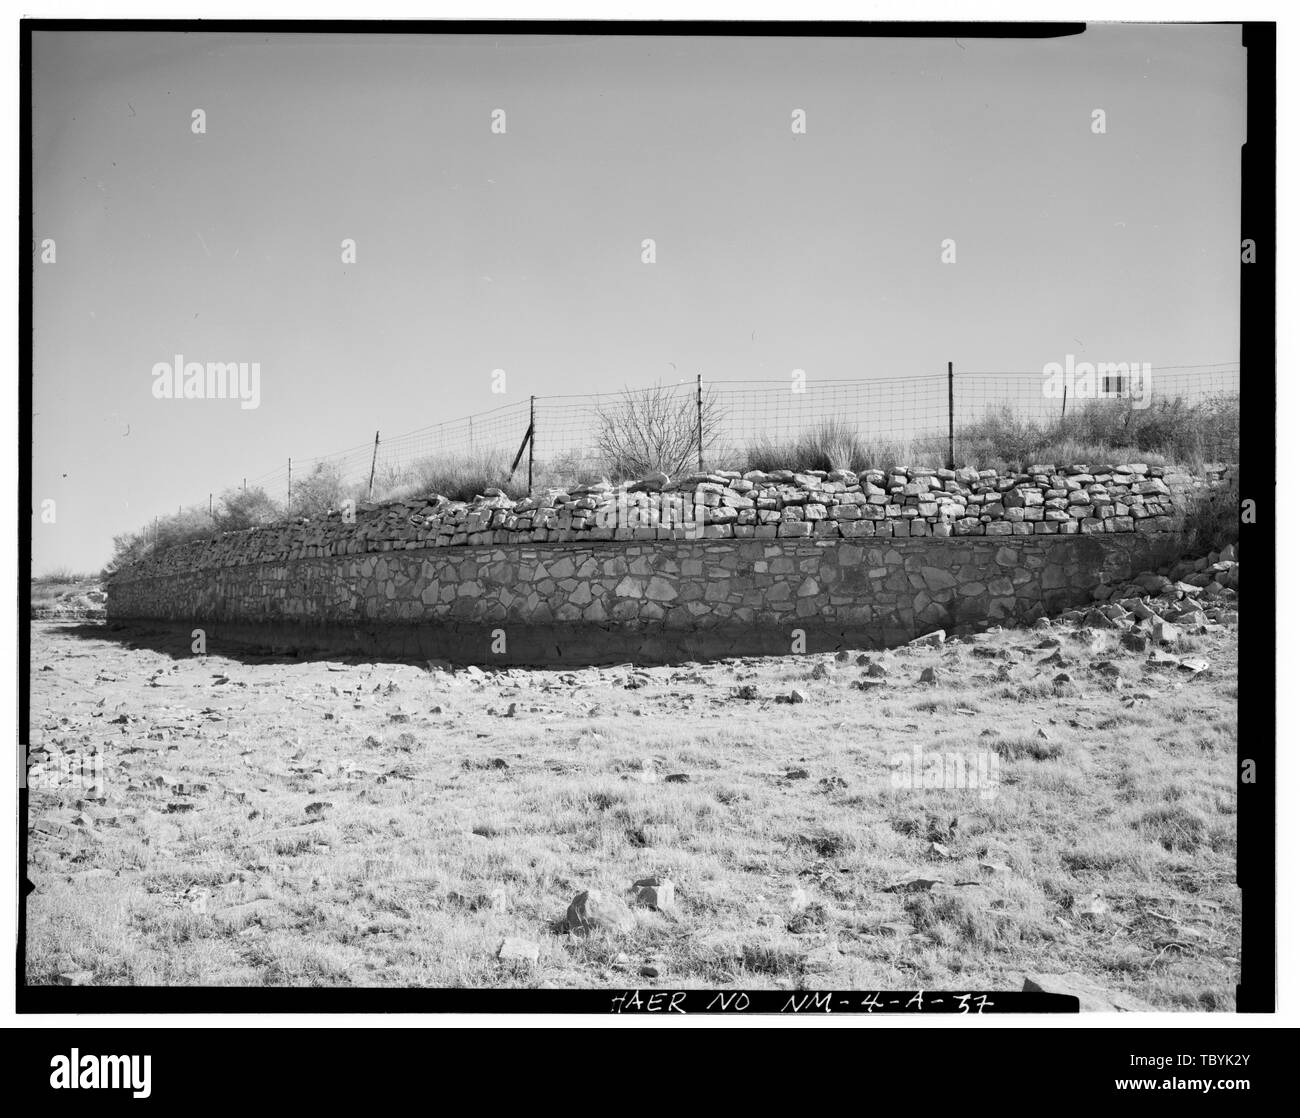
(766, 424)
(886, 410)
(627, 431)
(1121, 404)
(488, 440)
(727, 421)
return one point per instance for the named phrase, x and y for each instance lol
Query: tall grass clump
(458, 477)
(1211, 518)
(1170, 431)
(835, 444)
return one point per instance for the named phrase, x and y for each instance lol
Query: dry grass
(1169, 432)
(450, 824)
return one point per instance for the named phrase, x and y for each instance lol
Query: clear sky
(478, 251)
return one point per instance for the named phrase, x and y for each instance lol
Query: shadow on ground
(177, 643)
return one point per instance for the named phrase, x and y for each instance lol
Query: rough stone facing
(715, 564)
(872, 593)
(1062, 500)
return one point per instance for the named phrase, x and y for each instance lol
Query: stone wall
(834, 562)
(1047, 500)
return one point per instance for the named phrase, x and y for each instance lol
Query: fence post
(288, 499)
(209, 506)
(370, 489)
(952, 446)
(532, 439)
(699, 420)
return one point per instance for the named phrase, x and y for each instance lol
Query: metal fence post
(288, 498)
(952, 442)
(532, 439)
(370, 489)
(699, 420)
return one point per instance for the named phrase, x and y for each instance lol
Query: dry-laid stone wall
(710, 565)
(1046, 500)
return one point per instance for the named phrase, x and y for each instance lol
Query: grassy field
(267, 821)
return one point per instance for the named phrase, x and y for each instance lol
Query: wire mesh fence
(738, 424)
(1041, 398)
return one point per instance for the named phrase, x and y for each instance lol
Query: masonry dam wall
(659, 571)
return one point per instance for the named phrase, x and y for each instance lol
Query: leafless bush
(320, 491)
(658, 428)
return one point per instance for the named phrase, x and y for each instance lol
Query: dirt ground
(238, 819)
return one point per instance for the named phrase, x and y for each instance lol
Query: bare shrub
(193, 523)
(246, 508)
(658, 428)
(319, 491)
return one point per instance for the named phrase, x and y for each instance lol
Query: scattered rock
(1134, 640)
(75, 978)
(995, 869)
(930, 640)
(1093, 998)
(655, 892)
(917, 883)
(1162, 632)
(514, 949)
(593, 910)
